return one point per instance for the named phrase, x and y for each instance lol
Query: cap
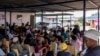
(92, 34)
(63, 46)
(15, 39)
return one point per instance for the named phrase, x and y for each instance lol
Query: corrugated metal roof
(46, 5)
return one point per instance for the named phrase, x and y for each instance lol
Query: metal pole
(10, 17)
(56, 20)
(98, 19)
(41, 16)
(35, 20)
(5, 20)
(84, 19)
(70, 20)
(42, 19)
(84, 14)
(62, 19)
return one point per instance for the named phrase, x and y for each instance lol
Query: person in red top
(38, 46)
(45, 46)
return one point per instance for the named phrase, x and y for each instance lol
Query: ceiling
(47, 5)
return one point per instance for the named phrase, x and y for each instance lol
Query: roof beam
(42, 8)
(50, 4)
(9, 5)
(68, 6)
(58, 4)
(93, 3)
(47, 4)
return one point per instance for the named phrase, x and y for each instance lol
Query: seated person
(63, 50)
(2, 53)
(16, 45)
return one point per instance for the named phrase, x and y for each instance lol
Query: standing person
(63, 50)
(63, 33)
(53, 46)
(22, 28)
(76, 30)
(13, 28)
(91, 40)
(76, 38)
(75, 42)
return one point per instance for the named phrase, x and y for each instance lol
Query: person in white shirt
(2, 52)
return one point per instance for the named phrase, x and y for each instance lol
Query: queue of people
(27, 41)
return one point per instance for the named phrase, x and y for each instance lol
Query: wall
(25, 17)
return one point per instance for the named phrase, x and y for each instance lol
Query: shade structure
(47, 5)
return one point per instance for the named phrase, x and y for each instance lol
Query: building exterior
(93, 20)
(57, 21)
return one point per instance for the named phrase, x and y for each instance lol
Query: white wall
(25, 17)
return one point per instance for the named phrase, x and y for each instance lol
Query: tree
(80, 19)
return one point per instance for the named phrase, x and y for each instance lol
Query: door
(32, 21)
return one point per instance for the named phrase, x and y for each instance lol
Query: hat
(92, 34)
(63, 46)
(15, 39)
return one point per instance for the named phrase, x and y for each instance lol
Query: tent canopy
(47, 5)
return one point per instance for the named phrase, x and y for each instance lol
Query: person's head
(2, 25)
(5, 42)
(76, 26)
(74, 37)
(63, 29)
(38, 42)
(70, 29)
(22, 24)
(53, 39)
(15, 40)
(63, 47)
(14, 23)
(91, 38)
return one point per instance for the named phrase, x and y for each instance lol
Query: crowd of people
(27, 41)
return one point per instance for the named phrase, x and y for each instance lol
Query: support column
(5, 19)
(84, 14)
(41, 16)
(98, 20)
(84, 20)
(70, 21)
(10, 17)
(98, 24)
(35, 20)
(62, 19)
(56, 20)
